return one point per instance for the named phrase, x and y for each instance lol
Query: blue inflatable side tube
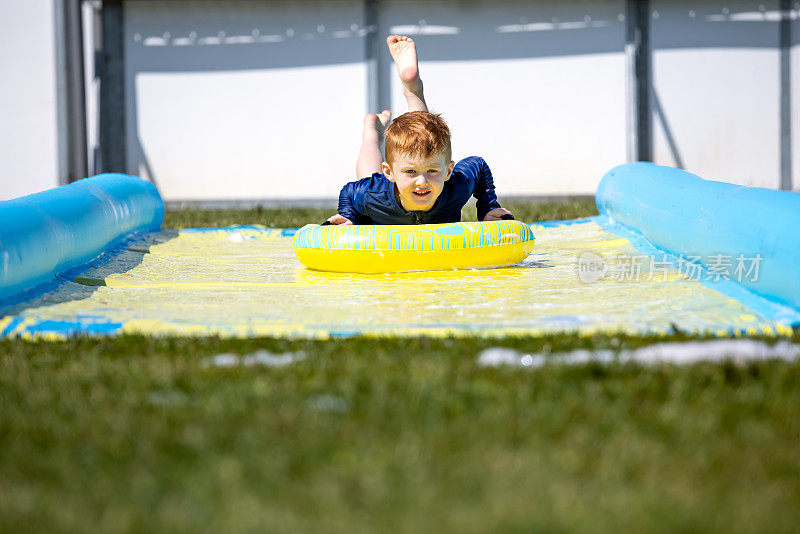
(47, 233)
(720, 225)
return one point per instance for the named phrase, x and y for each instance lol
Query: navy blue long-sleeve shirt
(372, 200)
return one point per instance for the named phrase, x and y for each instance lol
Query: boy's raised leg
(404, 53)
(370, 156)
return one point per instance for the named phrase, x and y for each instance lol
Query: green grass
(297, 217)
(138, 434)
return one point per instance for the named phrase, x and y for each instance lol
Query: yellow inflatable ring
(402, 248)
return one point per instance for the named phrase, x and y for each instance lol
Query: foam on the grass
(681, 353)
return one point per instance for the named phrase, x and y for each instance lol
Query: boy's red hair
(417, 134)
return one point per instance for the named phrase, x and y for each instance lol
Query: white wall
(28, 107)
(716, 74)
(241, 100)
(536, 88)
(218, 112)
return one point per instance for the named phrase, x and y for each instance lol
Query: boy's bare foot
(404, 53)
(384, 117)
(375, 124)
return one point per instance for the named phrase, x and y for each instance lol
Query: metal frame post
(111, 71)
(639, 81)
(75, 103)
(372, 53)
(785, 37)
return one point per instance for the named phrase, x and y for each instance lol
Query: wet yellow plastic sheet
(246, 281)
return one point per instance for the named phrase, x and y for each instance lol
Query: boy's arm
(347, 213)
(488, 207)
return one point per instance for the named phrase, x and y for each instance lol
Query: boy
(417, 183)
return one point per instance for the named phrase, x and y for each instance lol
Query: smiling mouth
(421, 193)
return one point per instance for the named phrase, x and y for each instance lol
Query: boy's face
(419, 180)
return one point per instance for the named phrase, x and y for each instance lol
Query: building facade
(247, 100)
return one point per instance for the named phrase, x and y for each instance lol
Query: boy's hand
(338, 219)
(495, 214)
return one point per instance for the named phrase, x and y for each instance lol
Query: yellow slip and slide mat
(246, 281)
